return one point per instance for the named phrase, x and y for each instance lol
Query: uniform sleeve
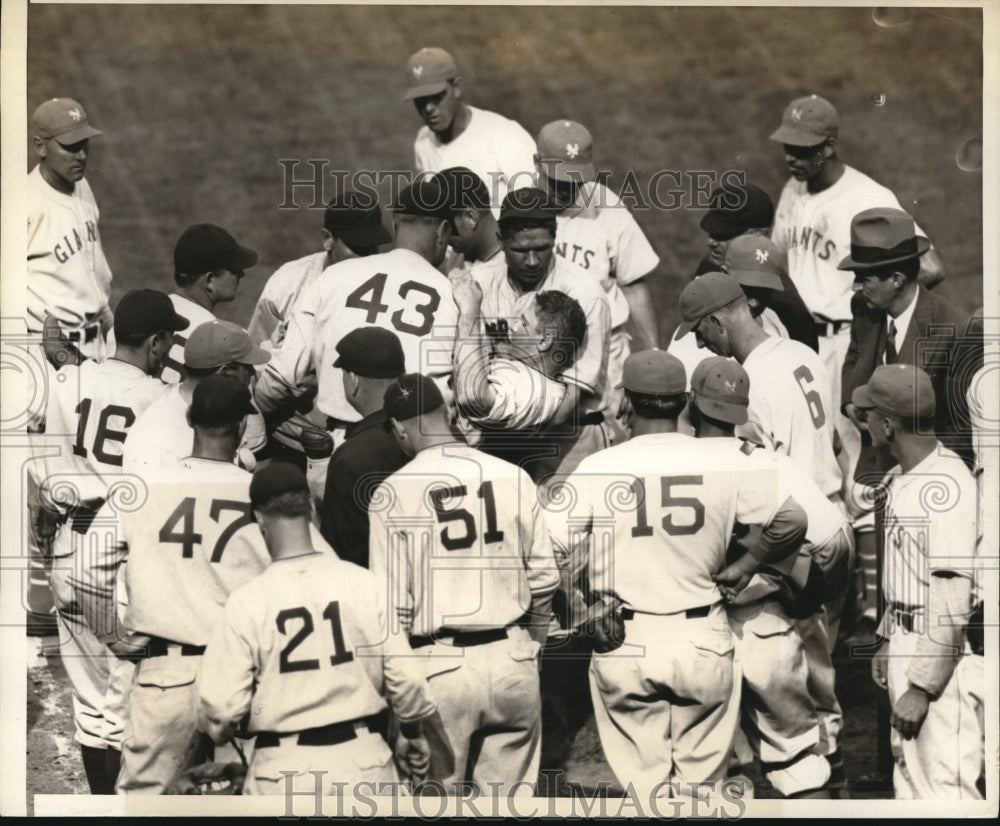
(940, 648)
(523, 397)
(290, 372)
(759, 427)
(95, 581)
(266, 318)
(228, 669)
(437, 350)
(536, 543)
(389, 561)
(632, 256)
(588, 370)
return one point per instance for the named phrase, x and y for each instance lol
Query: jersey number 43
(416, 319)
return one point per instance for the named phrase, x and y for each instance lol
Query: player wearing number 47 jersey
(90, 412)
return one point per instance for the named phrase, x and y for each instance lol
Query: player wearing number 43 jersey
(90, 412)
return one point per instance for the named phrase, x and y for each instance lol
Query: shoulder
(489, 272)
(584, 290)
(424, 137)
(856, 184)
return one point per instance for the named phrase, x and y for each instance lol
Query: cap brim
(425, 89)
(178, 322)
(862, 397)
(797, 137)
(850, 264)
(367, 236)
(686, 327)
(77, 135)
(577, 173)
(723, 411)
(242, 259)
(256, 355)
(757, 278)
(714, 224)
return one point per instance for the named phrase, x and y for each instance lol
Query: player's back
(661, 509)
(191, 541)
(161, 435)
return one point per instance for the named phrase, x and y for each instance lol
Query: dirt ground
(199, 103)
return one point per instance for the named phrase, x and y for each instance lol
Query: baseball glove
(604, 627)
(211, 778)
(317, 444)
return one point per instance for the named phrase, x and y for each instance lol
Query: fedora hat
(880, 237)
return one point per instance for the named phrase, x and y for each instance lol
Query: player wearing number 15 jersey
(399, 290)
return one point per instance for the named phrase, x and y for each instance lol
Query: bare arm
(642, 318)
(474, 394)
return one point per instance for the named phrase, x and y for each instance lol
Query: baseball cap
(899, 389)
(722, 389)
(565, 150)
(63, 119)
(753, 261)
(706, 294)
(220, 400)
(356, 219)
(428, 72)
(654, 371)
(736, 208)
(807, 121)
(275, 479)
(206, 247)
(882, 236)
(215, 343)
(144, 312)
(464, 189)
(528, 203)
(373, 352)
(426, 197)
(410, 395)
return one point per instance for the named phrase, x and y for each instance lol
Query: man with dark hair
(666, 703)
(324, 711)
(208, 266)
(474, 231)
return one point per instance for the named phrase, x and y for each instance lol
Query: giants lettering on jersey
(575, 254)
(69, 247)
(809, 239)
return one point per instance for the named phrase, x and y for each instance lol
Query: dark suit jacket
(938, 341)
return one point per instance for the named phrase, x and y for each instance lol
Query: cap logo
(75, 113)
(797, 114)
(404, 392)
(761, 255)
(572, 149)
(418, 71)
(729, 385)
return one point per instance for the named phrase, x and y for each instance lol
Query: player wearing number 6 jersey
(302, 648)
(90, 411)
(655, 516)
(459, 547)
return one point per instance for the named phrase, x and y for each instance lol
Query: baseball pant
(489, 700)
(817, 646)
(832, 352)
(38, 599)
(779, 715)
(835, 557)
(945, 759)
(667, 703)
(366, 759)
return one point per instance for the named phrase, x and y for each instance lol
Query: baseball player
(90, 411)
(459, 544)
(162, 435)
(509, 286)
(475, 235)
(772, 654)
(596, 234)
(69, 278)
(655, 516)
(934, 680)
(208, 266)
(188, 543)
(499, 150)
(399, 290)
(302, 654)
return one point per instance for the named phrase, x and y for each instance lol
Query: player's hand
(58, 349)
(734, 577)
(132, 647)
(880, 667)
(414, 755)
(468, 296)
(909, 712)
(852, 414)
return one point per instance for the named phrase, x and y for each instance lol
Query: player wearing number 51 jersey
(399, 290)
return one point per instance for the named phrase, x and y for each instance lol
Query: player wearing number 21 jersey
(399, 290)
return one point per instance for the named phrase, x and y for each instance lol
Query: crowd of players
(448, 469)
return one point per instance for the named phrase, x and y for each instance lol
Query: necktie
(891, 356)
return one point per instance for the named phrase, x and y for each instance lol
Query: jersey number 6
(805, 377)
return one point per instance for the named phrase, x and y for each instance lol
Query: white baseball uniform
(930, 528)
(656, 516)
(173, 368)
(90, 409)
(68, 275)
(302, 647)
(525, 397)
(499, 150)
(460, 545)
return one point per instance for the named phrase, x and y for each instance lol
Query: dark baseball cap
(736, 208)
(273, 480)
(426, 197)
(356, 219)
(220, 400)
(63, 119)
(655, 372)
(215, 343)
(465, 189)
(206, 247)
(145, 312)
(373, 352)
(721, 388)
(527, 204)
(754, 261)
(807, 121)
(706, 294)
(410, 395)
(899, 389)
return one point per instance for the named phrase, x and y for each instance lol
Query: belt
(691, 613)
(89, 333)
(830, 328)
(905, 618)
(330, 735)
(159, 647)
(82, 517)
(459, 638)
